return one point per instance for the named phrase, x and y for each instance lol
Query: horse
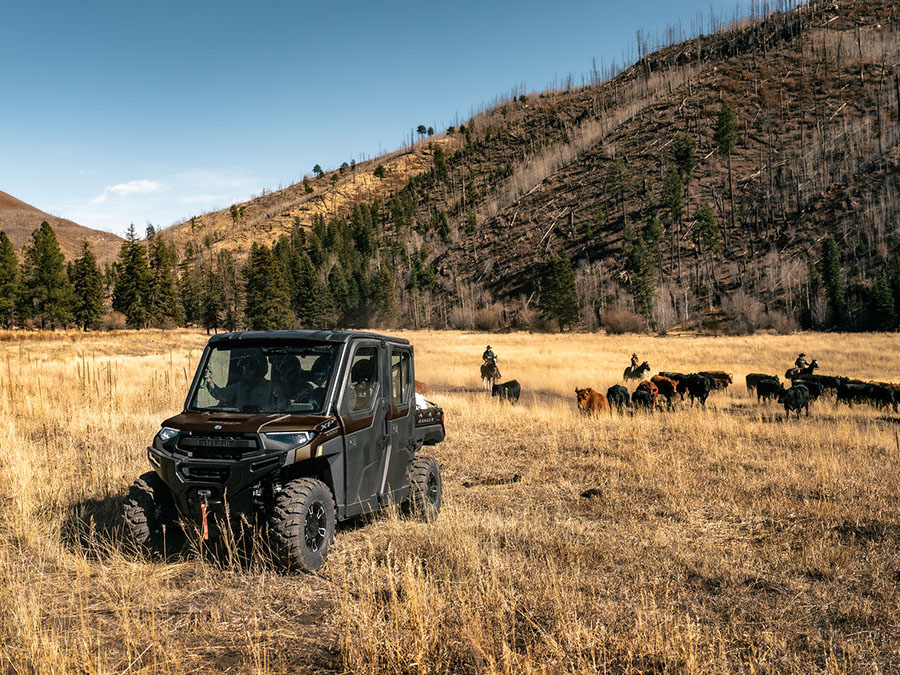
(793, 373)
(490, 374)
(632, 373)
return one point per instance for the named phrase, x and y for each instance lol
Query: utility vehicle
(295, 430)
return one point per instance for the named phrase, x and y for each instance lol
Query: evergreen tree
(883, 311)
(190, 292)
(9, 281)
(267, 295)
(338, 288)
(640, 264)
(387, 312)
(163, 305)
(831, 279)
(87, 280)
(46, 292)
(132, 287)
(311, 302)
(441, 170)
(211, 299)
(558, 298)
(231, 289)
(684, 156)
(725, 138)
(673, 194)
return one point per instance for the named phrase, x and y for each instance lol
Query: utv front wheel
(302, 524)
(425, 489)
(150, 516)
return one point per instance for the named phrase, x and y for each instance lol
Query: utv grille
(216, 474)
(217, 447)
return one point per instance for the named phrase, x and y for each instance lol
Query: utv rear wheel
(425, 488)
(150, 516)
(302, 524)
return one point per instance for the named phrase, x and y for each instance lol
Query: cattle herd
(667, 388)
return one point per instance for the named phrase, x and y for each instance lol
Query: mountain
(19, 220)
(627, 179)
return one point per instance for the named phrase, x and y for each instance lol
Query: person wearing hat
(801, 361)
(250, 389)
(634, 361)
(489, 356)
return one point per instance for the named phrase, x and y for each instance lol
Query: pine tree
(132, 287)
(163, 306)
(558, 298)
(9, 281)
(441, 170)
(831, 278)
(46, 291)
(190, 292)
(267, 295)
(211, 299)
(725, 138)
(87, 280)
(883, 311)
(684, 156)
(387, 312)
(232, 288)
(640, 264)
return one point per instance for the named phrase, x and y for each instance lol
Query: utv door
(362, 407)
(400, 426)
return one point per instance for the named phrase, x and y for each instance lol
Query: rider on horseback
(634, 361)
(801, 361)
(489, 357)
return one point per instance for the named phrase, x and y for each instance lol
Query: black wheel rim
(314, 531)
(432, 487)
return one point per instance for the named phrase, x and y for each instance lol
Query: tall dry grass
(715, 540)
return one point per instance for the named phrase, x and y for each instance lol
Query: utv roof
(338, 336)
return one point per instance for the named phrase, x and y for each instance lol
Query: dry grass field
(715, 540)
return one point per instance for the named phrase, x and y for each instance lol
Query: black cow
(754, 378)
(884, 396)
(641, 398)
(508, 391)
(766, 389)
(815, 389)
(697, 386)
(795, 398)
(855, 392)
(617, 395)
(675, 377)
(827, 382)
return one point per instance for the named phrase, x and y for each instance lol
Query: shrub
(619, 321)
(114, 321)
(488, 318)
(380, 171)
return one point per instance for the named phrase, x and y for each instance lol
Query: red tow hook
(204, 525)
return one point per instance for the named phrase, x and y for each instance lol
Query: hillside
(19, 220)
(816, 99)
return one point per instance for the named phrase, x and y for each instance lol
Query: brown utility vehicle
(296, 429)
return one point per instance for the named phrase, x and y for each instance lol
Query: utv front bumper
(224, 472)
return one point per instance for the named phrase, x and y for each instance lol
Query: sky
(114, 113)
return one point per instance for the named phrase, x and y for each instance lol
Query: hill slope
(816, 98)
(19, 220)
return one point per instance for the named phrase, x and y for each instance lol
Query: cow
(792, 373)
(675, 377)
(651, 389)
(766, 389)
(666, 388)
(855, 392)
(697, 386)
(421, 387)
(508, 391)
(754, 378)
(815, 389)
(617, 395)
(827, 382)
(884, 396)
(718, 379)
(641, 398)
(636, 373)
(795, 398)
(591, 402)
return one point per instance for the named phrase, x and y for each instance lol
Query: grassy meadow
(715, 540)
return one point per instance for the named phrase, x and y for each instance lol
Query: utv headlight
(287, 440)
(167, 434)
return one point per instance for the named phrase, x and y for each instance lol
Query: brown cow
(650, 388)
(591, 402)
(667, 387)
(421, 387)
(719, 379)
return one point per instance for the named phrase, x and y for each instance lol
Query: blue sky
(121, 112)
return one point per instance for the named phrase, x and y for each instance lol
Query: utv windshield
(285, 378)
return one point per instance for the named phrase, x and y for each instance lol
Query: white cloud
(134, 187)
